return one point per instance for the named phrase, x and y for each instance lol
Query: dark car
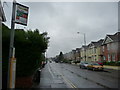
(83, 64)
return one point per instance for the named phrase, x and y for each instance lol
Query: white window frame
(113, 57)
(109, 57)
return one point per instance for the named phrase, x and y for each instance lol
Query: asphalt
(56, 75)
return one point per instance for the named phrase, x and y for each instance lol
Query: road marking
(50, 71)
(69, 82)
(66, 80)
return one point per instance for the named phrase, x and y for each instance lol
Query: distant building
(111, 47)
(83, 53)
(68, 56)
(77, 54)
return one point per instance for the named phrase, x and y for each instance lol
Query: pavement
(106, 66)
(112, 67)
(50, 79)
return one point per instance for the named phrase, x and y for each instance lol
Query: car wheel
(93, 69)
(80, 66)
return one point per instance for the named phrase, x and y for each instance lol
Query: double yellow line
(67, 81)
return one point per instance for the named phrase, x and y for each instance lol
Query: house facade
(107, 49)
(83, 53)
(94, 51)
(111, 47)
(78, 55)
(68, 56)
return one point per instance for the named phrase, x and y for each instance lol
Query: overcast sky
(62, 21)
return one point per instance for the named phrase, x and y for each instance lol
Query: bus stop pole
(11, 49)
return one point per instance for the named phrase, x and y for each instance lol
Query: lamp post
(84, 42)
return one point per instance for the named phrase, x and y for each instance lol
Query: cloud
(62, 21)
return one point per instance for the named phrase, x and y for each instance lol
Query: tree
(61, 57)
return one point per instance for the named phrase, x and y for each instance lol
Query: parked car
(101, 63)
(83, 64)
(94, 66)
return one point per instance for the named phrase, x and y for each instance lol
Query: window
(94, 50)
(103, 48)
(113, 57)
(108, 46)
(108, 57)
(104, 58)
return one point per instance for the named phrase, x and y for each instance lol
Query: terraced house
(93, 52)
(107, 49)
(83, 53)
(111, 47)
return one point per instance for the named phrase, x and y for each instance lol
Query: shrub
(112, 63)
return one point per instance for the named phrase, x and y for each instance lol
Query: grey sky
(62, 21)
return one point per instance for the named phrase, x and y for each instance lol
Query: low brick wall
(24, 82)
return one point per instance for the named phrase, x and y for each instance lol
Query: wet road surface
(60, 75)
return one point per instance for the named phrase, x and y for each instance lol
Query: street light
(84, 41)
(84, 37)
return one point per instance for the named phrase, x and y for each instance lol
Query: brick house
(111, 47)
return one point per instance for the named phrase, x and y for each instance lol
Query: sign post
(19, 16)
(10, 78)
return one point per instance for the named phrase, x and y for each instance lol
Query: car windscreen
(95, 64)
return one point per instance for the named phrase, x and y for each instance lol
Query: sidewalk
(112, 67)
(50, 79)
(106, 66)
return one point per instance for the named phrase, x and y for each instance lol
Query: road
(60, 75)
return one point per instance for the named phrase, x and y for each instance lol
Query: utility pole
(11, 75)
(85, 45)
(21, 9)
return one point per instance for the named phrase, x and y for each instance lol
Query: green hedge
(29, 48)
(112, 63)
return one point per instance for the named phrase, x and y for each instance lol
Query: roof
(96, 44)
(2, 14)
(78, 49)
(114, 38)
